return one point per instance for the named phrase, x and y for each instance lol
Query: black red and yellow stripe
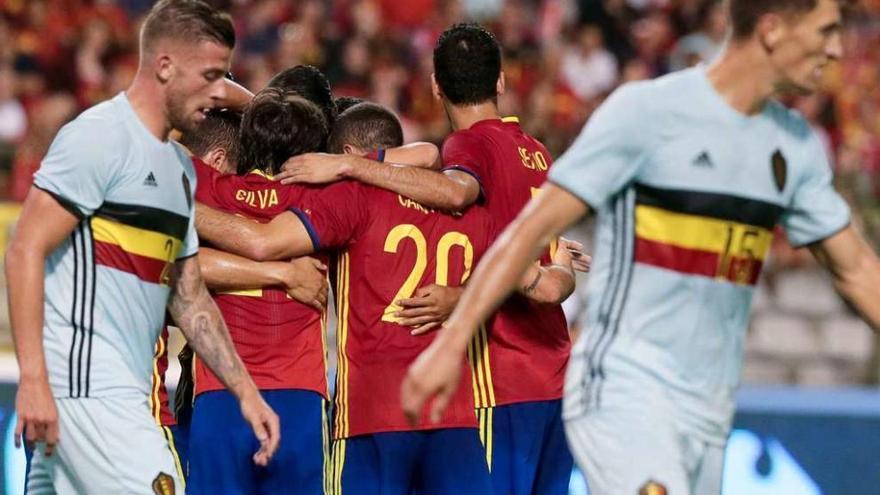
(140, 240)
(707, 234)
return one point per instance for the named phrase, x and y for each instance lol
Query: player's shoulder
(663, 92)
(101, 123)
(463, 139)
(791, 122)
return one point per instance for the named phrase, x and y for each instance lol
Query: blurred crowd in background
(561, 59)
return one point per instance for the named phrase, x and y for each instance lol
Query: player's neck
(464, 116)
(743, 78)
(148, 103)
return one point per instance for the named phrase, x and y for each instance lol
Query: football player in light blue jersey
(106, 240)
(688, 175)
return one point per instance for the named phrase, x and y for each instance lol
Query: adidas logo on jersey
(703, 160)
(151, 180)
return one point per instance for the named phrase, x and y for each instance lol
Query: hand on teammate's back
(571, 254)
(37, 414)
(428, 308)
(306, 281)
(265, 423)
(313, 168)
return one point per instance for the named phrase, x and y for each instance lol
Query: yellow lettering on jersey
(533, 161)
(408, 203)
(258, 199)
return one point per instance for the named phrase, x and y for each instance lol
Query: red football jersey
(159, 408)
(280, 340)
(529, 343)
(388, 247)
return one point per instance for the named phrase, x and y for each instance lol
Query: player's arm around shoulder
(283, 238)
(192, 308)
(450, 190)
(43, 225)
(855, 269)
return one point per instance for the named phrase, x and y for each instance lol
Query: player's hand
(430, 306)
(570, 253)
(37, 414)
(265, 423)
(313, 168)
(305, 280)
(432, 378)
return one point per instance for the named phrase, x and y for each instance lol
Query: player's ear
(164, 67)
(770, 30)
(499, 85)
(216, 159)
(435, 88)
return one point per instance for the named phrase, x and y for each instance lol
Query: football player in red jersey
(389, 246)
(215, 144)
(490, 161)
(280, 339)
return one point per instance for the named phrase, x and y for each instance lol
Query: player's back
(280, 340)
(528, 343)
(389, 246)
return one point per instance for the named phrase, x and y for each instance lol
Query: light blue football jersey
(687, 192)
(106, 286)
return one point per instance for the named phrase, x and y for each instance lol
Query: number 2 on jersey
(444, 246)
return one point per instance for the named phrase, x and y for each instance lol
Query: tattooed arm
(200, 321)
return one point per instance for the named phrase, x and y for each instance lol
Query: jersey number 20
(411, 232)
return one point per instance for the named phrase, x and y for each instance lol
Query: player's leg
(109, 445)
(527, 448)
(300, 459)
(221, 447)
(553, 474)
(377, 464)
(629, 445)
(454, 462)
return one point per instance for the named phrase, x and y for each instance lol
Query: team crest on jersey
(652, 488)
(187, 190)
(780, 169)
(163, 484)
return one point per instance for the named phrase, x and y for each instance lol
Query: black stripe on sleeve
(64, 202)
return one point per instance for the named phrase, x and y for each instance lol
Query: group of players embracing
(399, 227)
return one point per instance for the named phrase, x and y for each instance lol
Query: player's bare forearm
(503, 265)
(41, 228)
(282, 238)
(419, 154)
(224, 271)
(195, 313)
(856, 272)
(451, 191)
